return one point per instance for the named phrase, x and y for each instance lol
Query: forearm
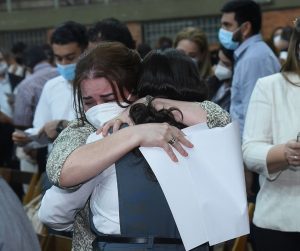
(89, 160)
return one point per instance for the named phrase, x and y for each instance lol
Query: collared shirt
(253, 60)
(56, 103)
(29, 92)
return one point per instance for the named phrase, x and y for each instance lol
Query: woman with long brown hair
(271, 149)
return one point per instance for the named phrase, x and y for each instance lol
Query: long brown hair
(111, 60)
(293, 60)
(197, 36)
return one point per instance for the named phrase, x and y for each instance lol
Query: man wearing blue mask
(68, 41)
(240, 31)
(55, 106)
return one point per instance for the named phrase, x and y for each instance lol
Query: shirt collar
(247, 43)
(41, 66)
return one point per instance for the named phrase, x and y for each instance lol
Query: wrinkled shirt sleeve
(68, 140)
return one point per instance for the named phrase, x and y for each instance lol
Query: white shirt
(273, 118)
(59, 206)
(55, 103)
(104, 201)
(5, 88)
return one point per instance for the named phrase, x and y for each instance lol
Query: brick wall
(273, 19)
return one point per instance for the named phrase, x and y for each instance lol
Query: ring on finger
(172, 141)
(295, 157)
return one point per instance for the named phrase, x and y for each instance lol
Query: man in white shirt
(55, 106)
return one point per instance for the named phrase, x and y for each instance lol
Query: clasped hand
(292, 152)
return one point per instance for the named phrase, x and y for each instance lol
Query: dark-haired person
(110, 29)
(220, 83)
(55, 106)
(271, 149)
(164, 43)
(27, 96)
(30, 89)
(101, 90)
(240, 31)
(17, 70)
(283, 43)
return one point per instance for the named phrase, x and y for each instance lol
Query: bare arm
(193, 113)
(89, 160)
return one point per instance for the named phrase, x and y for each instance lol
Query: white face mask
(3, 67)
(222, 72)
(276, 40)
(100, 114)
(283, 55)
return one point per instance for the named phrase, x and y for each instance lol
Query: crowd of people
(77, 110)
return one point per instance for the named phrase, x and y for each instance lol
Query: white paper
(206, 190)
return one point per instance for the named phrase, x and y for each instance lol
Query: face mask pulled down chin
(225, 38)
(222, 72)
(67, 71)
(3, 68)
(100, 114)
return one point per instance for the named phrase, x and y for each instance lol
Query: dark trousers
(272, 240)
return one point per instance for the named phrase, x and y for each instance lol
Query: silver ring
(172, 141)
(295, 157)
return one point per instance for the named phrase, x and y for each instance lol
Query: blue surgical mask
(225, 38)
(67, 71)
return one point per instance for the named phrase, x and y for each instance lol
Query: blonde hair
(197, 36)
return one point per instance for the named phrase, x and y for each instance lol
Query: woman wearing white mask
(219, 84)
(271, 148)
(99, 81)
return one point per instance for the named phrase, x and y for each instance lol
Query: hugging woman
(119, 200)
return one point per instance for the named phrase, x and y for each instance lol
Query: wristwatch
(60, 127)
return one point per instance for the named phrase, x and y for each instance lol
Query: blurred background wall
(31, 21)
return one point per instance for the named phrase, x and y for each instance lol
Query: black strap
(138, 240)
